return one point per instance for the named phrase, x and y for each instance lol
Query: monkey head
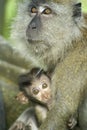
(46, 25)
(37, 86)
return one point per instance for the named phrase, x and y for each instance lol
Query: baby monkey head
(36, 85)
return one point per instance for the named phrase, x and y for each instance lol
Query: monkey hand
(72, 123)
(18, 125)
(21, 98)
(31, 124)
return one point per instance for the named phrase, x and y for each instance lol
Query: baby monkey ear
(77, 10)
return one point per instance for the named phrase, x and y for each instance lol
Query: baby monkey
(36, 87)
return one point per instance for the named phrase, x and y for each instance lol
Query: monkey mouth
(30, 41)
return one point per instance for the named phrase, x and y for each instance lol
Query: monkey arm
(11, 55)
(70, 81)
(12, 64)
(26, 119)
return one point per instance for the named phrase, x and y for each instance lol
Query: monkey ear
(77, 11)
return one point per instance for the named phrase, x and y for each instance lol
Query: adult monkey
(53, 32)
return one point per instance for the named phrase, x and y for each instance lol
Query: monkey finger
(20, 125)
(72, 123)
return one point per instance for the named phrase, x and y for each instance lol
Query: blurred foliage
(8, 11)
(84, 5)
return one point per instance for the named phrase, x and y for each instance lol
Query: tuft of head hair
(24, 81)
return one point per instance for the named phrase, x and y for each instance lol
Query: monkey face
(42, 16)
(40, 89)
(44, 22)
(41, 25)
(39, 12)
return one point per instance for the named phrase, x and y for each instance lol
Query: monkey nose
(33, 26)
(46, 96)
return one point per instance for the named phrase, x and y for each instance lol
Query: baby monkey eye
(35, 91)
(44, 85)
(47, 11)
(33, 10)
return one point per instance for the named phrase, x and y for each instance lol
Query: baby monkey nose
(45, 95)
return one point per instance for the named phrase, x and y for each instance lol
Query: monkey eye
(44, 85)
(33, 10)
(47, 11)
(35, 91)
